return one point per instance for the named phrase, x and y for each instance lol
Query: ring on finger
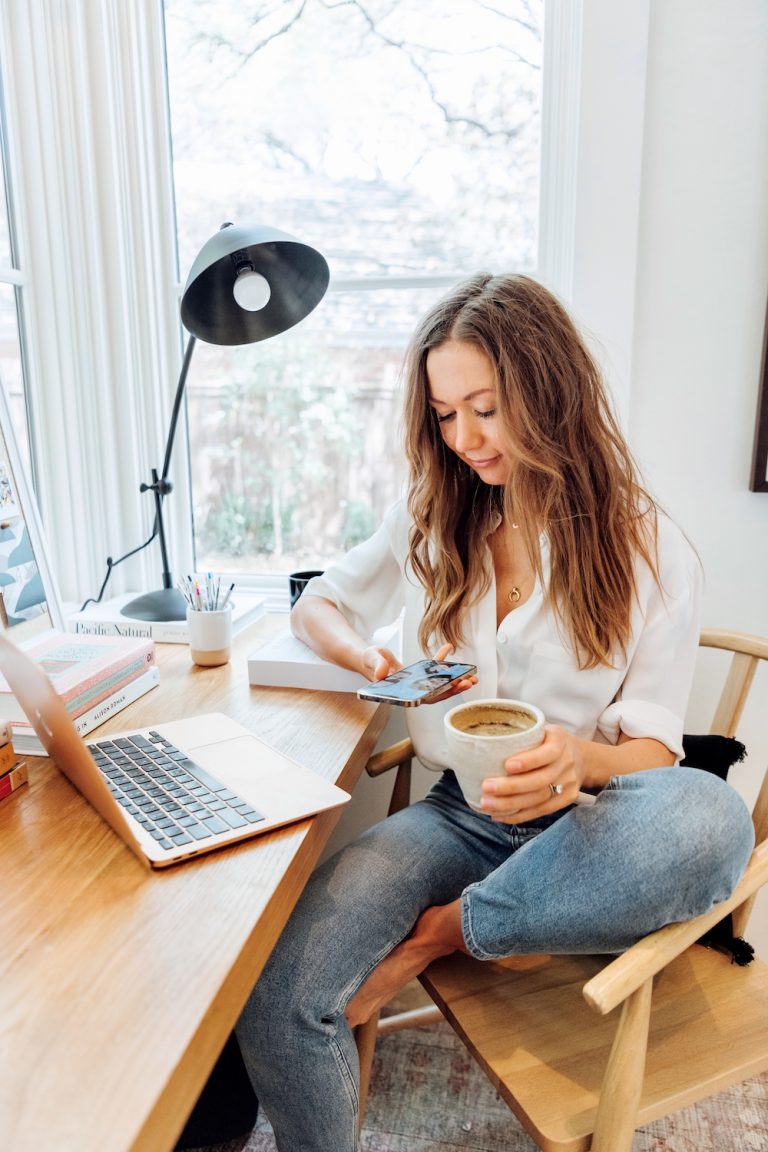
(556, 789)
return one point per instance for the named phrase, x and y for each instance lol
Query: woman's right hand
(376, 663)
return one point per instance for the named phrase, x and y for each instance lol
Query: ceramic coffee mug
(482, 734)
(297, 582)
(210, 636)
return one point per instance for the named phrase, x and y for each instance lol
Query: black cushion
(712, 753)
(717, 754)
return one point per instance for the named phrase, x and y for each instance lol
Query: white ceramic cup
(210, 636)
(482, 734)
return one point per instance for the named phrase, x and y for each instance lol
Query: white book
(25, 739)
(286, 662)
(106, 619)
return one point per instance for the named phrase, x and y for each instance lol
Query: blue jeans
(658, 846)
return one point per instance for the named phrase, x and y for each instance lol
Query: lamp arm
(159, 486)
(177, 407)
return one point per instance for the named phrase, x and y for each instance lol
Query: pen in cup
(204, 594)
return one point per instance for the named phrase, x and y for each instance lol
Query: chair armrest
(643, 960)
(390, 757)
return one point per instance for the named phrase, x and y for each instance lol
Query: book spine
(26, 739)
(8, 757)
(112, 683)
(162, 631)
(121, 699)
(136, 629)
(14, 779)
(5, 733)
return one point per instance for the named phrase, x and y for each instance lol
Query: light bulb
(251, 290)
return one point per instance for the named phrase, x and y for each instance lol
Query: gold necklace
(514, 593)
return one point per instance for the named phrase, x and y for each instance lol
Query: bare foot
(437, 932)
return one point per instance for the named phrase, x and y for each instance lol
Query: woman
(528, 546)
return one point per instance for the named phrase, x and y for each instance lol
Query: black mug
(297, 582)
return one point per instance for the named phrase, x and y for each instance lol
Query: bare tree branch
(401, 46)
(408, 50)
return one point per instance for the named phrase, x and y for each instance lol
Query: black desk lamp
(247, 283)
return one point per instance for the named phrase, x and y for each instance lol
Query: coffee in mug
(482, 734)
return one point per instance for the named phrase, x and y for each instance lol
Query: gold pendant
(514, 595)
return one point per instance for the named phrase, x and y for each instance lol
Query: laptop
(174, 791)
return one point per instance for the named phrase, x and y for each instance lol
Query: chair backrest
(747, 652)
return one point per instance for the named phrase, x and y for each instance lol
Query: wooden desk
(118, 987)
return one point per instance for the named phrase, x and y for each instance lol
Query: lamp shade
(297, 277)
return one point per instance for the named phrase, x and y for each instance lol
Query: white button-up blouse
(526, 658)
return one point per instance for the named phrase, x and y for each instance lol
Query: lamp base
(165, 604)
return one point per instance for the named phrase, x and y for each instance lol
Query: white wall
(700, 290)
(702, 285)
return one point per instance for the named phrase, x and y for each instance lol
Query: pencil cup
(210, 636)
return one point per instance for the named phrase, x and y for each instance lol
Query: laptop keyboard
(176, 800)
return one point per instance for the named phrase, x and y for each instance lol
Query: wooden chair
(577, 1076)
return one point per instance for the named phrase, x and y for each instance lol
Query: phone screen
(416, 683)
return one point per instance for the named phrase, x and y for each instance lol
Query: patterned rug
(427, 1095)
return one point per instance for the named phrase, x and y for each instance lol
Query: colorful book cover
(82, 669)
(8, 757)
(14, 779)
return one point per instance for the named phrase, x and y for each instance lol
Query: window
(403, 141)
(11, 361)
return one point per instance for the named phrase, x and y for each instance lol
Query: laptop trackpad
(274, 783)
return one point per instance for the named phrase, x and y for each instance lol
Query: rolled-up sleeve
(654, 694)
(366, 584)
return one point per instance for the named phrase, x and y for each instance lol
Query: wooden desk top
(118, 987)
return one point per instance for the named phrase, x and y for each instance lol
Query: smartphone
(417, 683)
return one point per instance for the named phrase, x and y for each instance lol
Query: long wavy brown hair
(574, 477)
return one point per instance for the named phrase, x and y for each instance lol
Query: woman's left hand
(537, 782)
(458, 686)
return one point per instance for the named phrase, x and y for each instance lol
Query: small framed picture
(29, 598)
(759, 479)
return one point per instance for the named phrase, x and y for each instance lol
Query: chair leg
(401, 789)
(623, 1081)
(365, 1039)
(415, 1018)
(365, 1034)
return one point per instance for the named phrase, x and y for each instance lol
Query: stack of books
(96, 677)
(13, 772)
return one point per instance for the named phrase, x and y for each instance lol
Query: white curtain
(88, 137)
